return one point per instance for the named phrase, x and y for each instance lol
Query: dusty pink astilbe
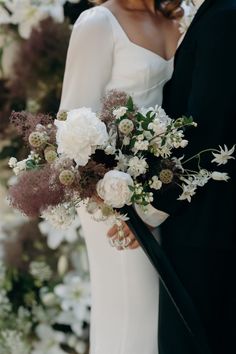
(25, 123)
(33, 192)
(113, 99)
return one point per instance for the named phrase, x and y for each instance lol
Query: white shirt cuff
(152, 217)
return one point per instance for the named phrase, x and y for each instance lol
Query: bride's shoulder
(94, 19)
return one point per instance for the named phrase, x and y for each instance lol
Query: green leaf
(30, 165)
(130, 104)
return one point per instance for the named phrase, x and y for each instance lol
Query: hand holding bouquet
(123, 155)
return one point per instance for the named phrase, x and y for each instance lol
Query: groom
(199, 239)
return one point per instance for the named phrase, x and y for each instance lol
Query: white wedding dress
(125, 287)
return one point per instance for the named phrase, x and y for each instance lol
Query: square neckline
(130, 41)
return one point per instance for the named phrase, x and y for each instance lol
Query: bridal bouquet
(118, 157)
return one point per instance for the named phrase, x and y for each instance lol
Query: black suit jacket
(198, 256)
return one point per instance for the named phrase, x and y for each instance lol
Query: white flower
(40, 270)
(110, 150)
(61, 216)
(184, 143)
(137, 166)
(80, 135)
(72, 291)
(114, 188)
(220, 176)
(155, 183)
(122, 162)
(48, 299)
(188, 191)
(223, 156)
(5, 17)
(141, 145)
(49, 340)
(14, 342)
(55, 235)
(126, 141)
(190, 11)
(120, 112)
(27, 13)
(12, 162)
(75, 301)
(201, 178)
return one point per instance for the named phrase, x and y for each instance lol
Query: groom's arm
(212, 99)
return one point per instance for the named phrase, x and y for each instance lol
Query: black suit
(199, 239)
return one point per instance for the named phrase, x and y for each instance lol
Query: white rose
(220, 176)
(120, 112)
(114, 188)
(80, 135)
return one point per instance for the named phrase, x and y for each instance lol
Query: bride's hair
(170, 8)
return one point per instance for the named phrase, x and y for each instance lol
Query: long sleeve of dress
(89, 62)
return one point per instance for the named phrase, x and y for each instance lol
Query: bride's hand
(113, 236)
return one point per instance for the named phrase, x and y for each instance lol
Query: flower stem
(198, 155)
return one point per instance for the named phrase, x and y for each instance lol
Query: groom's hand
(128, 235)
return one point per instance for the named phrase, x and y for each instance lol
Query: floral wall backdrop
(44, 280)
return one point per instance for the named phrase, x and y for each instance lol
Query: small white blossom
(220, 176)
(155, 183)
(190, 11)
(141, 145)
(49, 340)
(223, 156)
(61, 216)
(120, 112)
(12, 162)
(62, 230)
(188, 192)
(184, 143)
(74, 291)
(126, 141)
(122, 162)
(40, 270)
(110, 150)
(14, 342)
(137, 166)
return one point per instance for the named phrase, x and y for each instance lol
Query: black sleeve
(212, 99)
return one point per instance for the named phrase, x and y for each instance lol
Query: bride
(126, 45)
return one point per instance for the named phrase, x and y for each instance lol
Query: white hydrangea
(114, 188)
(80, 135)
(137, 166)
